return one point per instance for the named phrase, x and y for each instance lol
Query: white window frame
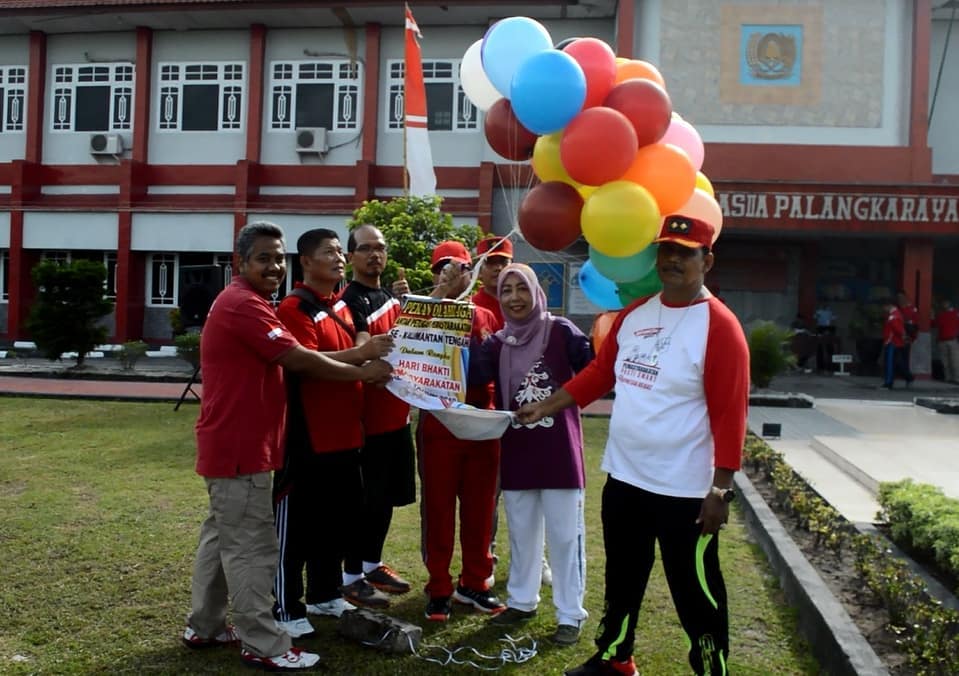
(13, 104)
(346, 77)
(465, 114)
(4, 271)
(172, 280)
(229, 76)
(67, 78)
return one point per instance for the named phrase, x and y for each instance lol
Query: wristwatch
(725, 494)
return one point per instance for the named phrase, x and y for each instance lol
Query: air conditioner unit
(106, 144)
(311, 140)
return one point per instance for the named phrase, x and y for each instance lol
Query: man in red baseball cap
(678, 363)
(454, 470)
(496, 253)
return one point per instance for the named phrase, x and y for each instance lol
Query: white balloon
(475, 83)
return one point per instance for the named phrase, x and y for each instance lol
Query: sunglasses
(438, 268)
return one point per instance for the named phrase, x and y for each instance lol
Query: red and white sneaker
(226, 637)
(294, 659)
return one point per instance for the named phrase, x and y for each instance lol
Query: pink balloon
(702, 206)
(681, 133)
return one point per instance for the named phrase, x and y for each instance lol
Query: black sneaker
(385, 579)
(513, 616)
(438, 609)
(362, 593)
(483, 601)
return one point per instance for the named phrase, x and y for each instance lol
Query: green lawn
(99, 515)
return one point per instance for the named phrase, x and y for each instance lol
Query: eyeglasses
(438, 268)
(370, 248)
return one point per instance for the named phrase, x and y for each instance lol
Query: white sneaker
(297, 628)
(547, 573)
(491, 580)
(294, 659)
(333, 608)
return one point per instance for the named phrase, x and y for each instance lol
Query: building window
(4, 276)
(61, 257)
(110, 283)
(162, 279)
(315, 94)
(201, 97)
(93, 97)
(13, 87)
(447, 108)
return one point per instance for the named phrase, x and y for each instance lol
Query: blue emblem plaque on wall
(552, 278)
(770, 55)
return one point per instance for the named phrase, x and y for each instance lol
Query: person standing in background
(947, 328)
(895, 354)
(495, 253)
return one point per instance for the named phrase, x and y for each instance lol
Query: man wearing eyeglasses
(454, 470)
(387, 456)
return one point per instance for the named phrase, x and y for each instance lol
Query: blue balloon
(548, 90)
(508, 43)
(627, 269)
(597, 289)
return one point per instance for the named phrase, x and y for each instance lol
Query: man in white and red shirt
(240, 439)
(679, 364)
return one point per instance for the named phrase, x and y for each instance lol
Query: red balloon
(506, 135)
(645, 104)
(598, 146)
(549, 216)
(598, 62)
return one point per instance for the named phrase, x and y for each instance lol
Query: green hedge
(929, 633)
(923, 520)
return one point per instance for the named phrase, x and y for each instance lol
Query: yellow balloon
(584, 190)
(546, 162)
(703, 184)
(620, 219)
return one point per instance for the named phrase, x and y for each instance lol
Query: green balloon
(647, 286)
(628, 269)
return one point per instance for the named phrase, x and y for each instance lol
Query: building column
(916, 281)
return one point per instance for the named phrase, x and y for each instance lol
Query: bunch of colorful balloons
(612, 156)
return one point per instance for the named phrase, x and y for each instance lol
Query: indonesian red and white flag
(419, 157)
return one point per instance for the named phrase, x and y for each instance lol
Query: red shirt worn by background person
(489, 302)
(242, 419)
(333, 409)
(947, 322)
(894, 329)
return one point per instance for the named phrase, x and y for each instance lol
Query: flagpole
(406, 173)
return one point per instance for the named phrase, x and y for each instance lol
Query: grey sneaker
(513, 616)
(298, 628)
(362, 593)
(565, 634)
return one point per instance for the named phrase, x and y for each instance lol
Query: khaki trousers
(236, 558)
(949, 351)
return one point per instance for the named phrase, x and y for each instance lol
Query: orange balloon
(665, 171)
(601, 326)
(636, 68)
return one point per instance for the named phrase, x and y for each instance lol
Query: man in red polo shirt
(319, 498)
(240, 436)
(895, 341)
(496, 253)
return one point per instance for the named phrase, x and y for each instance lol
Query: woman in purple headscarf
(541, 465)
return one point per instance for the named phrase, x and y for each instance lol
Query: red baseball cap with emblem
(450, 251)
(686, 231)
(495, 246)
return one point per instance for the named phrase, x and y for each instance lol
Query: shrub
(69, 304)
(188, 347)
(131, 351)
(769, 353)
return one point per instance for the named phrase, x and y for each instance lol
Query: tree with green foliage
(69, 305)
(412, 227)
(769, 353)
